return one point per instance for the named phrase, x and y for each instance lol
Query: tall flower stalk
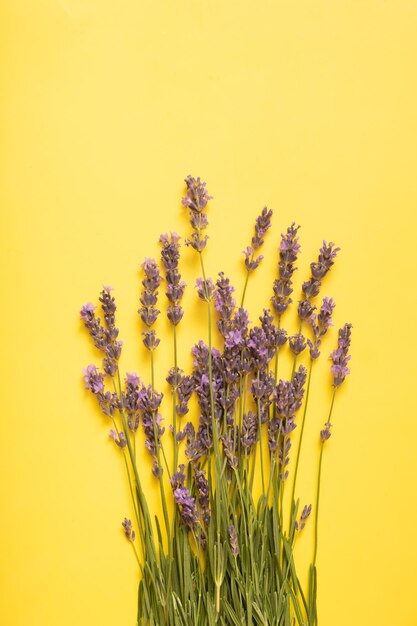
(226, 555)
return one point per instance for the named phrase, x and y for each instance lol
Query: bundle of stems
(224, 551)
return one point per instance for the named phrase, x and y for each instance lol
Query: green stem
(300, 441)
(174, 403)
(244, 288)
(318, 486)
(152, 371)
(260, 443)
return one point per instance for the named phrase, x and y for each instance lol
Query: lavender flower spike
(325, 434)
(196, 200)
(262, 225)
(128, 529)
(288, 252)
(340, 356)
(175, 286)
(305, 514)
(320, 324)
(311, 287)
(187, 507)
(149, 296)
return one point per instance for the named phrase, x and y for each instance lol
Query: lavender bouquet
(223, 552)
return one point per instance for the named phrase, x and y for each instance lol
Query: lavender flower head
(320, 324)
(205, 289)
(224, 304)
(305, 514)
(128, 529)
(297, 344)
(104, 337)
(187, 507)
(175, 286)
(319, 269)
(288, 252)
(118, 438)
(149, 296)
(325, 434)
(340, 356)
(196, 200)
(262, 225)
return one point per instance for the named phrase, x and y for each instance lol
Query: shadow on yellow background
(308, 107)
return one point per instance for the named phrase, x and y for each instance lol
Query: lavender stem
(300, 441)
(318, 485)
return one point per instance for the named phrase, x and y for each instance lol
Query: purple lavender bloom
(305, 309)
(196, 200)
(262, 389)
(288, 396)
(305, 514)
(184, 393)
(108, 305)
(251, 263)
(150, 340)
(128, 529)
(187, 507)
(203, 495)
(224, 304)
(197, 196)
(249, 430)
(174, 377)
(175, 286)
(205, 289)
(259, 353)
(320, 324)
(149, 402)
(262, 225)
(87, 311)
(288, 253)
(93, 379)
(297, 343)
(275, 337)
(131, 400)
(284, 459)
(118, 438)
(148, 299)
(183, 386)
(325, 260)
(340, 356)
(108, 402)
(312, 286)
(325, 434)
(229, 452)
(104, 338)
(233, 541)
(178, 478)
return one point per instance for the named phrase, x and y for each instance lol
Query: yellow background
(307, 106)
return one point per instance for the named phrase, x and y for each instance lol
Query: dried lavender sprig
(288, 253)
(196, 200)
(320, 324)
(149, 295)
(340, 356)
(311, 287)
(262, 225)
(175, 286)
(104, 337)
